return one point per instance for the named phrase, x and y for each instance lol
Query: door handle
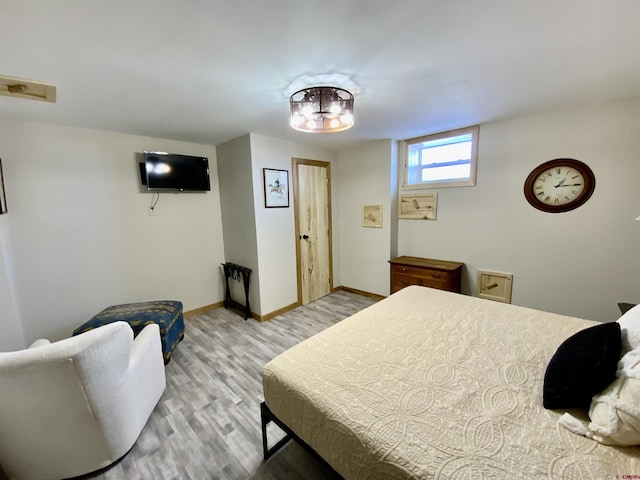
(304, 237)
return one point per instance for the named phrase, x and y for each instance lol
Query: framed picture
(418, 207)
(276, 188)
(3, 196)
(372, 216)
(494, 285)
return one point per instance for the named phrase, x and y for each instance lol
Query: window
(447, 159)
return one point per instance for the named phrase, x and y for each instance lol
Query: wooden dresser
(440, 274)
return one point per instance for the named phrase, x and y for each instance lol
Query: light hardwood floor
(207, 423)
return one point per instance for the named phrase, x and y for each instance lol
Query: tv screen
(170, 171)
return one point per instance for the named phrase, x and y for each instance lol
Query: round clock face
(559, 185)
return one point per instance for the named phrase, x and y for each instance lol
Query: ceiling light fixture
(321, 110)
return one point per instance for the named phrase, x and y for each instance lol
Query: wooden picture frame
(372, 216)
(276, 188)
(494, 285)
(3, 195)
(418, 207)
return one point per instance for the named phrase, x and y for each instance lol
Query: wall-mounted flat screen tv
(170, 171)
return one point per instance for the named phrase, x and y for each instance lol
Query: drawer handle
(403, 269)
(435, 275)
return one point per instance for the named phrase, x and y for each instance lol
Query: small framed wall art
(495, 285)
(372, 216)
(276, 188)
(418, 207)
(3, 196)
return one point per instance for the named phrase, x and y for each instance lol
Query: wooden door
(312, 201)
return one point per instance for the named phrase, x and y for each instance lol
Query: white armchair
(74, 406)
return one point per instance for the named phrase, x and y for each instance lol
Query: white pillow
(614, 412)
(630, 327)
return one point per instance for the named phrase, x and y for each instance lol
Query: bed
(428, 384)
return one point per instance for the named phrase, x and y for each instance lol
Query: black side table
(236, 272)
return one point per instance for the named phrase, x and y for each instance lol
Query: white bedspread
(429, 384)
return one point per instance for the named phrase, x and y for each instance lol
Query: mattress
(428, 384)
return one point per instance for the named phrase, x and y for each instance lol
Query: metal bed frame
(266, 417)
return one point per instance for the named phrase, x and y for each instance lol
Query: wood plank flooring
(207, 423)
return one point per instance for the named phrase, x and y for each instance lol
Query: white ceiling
(208, 71)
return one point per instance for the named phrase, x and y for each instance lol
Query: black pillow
(582, 366)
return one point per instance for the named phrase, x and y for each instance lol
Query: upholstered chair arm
(146, 368)
(41, 342)
(146, 346)
(143, 382)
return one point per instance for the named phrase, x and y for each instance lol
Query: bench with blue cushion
(166, 313)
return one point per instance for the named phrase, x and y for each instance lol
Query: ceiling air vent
(23, 88)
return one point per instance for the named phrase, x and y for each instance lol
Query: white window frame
(467, 182)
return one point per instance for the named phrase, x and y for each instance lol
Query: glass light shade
(321, 110)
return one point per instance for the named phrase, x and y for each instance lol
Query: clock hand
(569, 185)
(561, 184)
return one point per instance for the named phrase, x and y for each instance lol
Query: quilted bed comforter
(429, 384)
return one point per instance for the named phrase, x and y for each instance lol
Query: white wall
(257, 237)
(238, 214)
(276, 226)
(12, 337)
(81, 236)
(365, 179)
(579, 263)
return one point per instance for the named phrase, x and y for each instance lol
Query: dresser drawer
(400, 281)
(418, 272)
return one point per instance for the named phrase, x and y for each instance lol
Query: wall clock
(559, 185)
